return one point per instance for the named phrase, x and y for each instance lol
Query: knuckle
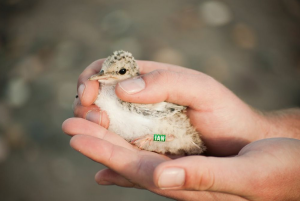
(165, 76)
(206, 180)
(161, 73)
(112, 154)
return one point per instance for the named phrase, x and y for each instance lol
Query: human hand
(263, 170)
(225, 122)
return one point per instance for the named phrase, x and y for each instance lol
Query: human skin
(260, 168)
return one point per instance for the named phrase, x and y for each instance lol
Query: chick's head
(117, 67)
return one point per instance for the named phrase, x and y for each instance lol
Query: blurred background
(252, 47)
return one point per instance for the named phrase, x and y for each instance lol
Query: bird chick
(161, 127)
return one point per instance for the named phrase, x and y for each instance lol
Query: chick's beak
(99, 76)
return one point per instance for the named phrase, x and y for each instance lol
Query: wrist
(281, 123)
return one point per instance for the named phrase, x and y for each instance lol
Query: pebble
(217, 67)
(244, 36)
(17, 92)
(215, 13)
(169, 55)
(16, 135)
(29, 68)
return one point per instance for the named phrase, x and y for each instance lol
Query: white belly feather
(127, 124)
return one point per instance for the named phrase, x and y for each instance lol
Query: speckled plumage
(137, 123)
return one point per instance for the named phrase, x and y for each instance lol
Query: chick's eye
(122, 71)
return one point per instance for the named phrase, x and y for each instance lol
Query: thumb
(226, 175)
(182, 88)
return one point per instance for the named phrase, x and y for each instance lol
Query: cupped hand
(263, 170)
(225, 122)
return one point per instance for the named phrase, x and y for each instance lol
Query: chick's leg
(148, 139)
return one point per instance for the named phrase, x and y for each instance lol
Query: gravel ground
(252, 47)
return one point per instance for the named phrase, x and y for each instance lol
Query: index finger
(149, 66)
(145, 67)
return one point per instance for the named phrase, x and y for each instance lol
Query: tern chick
(161, 127)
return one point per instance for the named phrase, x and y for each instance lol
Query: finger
(193, 90)
(225, 175)
(78, 126)
(128, 162)
(110, 177)
(149, 66)
(136, 165)
(88, 90)
(82, 111)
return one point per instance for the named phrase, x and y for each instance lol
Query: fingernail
(81, 90)
(132, 86)
(171, 178)
(94, 116)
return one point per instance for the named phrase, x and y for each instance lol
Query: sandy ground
(252, 47)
